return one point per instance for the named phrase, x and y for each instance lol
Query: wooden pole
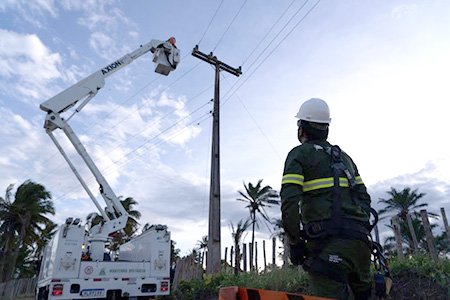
(274, 252)
(398, 236)
(256, 257)
(237, 259)
(214, 238)
(413, 233)
(226, 253)
(446, 227)
(264, 254)
(286, 249)
(428, 234)
(244, 256)
(250, 256)
(231, 256)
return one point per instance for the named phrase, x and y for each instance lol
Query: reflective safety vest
(308, 185)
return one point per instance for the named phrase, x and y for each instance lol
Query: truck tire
(43, 293)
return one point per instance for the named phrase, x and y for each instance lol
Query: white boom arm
(166, 56)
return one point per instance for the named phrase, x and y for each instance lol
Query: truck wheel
(43, 293)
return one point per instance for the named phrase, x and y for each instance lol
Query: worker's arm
(291, 195)
(362, 193)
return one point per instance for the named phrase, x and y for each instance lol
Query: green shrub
(423, 265)
(289, 280)
(295, 281)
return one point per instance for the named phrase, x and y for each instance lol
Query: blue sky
(383, 67)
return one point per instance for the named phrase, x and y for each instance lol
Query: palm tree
(22, 219)
(46, 235)
(132, 223)
(9, 226)
(202, 246)
(130, 229)
(281, 235)
(402, 202)
(406, 236)
(258, 198)
(237, 234)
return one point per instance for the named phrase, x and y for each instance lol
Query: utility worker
(322, 191)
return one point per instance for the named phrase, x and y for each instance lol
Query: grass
(436, 273)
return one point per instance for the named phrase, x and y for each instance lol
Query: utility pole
(213, 256)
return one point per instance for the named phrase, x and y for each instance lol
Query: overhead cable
(229, 25)
(268, 55)
(209, 24)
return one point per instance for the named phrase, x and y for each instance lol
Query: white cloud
(105, 22)
(33, 12)
(103, 45)
(27, 63)
(21, 142)
(405, 10)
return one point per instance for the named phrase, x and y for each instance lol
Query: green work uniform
(307, 195)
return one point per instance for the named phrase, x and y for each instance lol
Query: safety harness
(340, 226)
(382, 277)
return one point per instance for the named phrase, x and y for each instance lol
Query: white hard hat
(314, 110)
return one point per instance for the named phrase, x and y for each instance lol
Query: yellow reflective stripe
(293, 178)
(322, 183)
(358, 180)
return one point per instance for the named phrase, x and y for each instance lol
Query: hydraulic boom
(166, 57)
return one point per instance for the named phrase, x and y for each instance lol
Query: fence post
(244, 256)
(256, 257)
(274, 252)
(286, 249)
(398, 236)
(264, 254)
(413, 233)
(231, 256)
(446, 227)
(226, 254)
(250, 256)
(428, 234)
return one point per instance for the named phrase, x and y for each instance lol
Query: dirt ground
(412, 286)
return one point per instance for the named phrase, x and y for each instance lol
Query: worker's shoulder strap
(336, 224)
(337, 163)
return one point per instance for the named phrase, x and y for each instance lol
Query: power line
(198, 121)
(259, 127)
(229, 25)
(165, 116)
(270, 53)
(268, 32)
(158, 135)
(267, 46)
(140, 106)
(89, 127)
(209, 24)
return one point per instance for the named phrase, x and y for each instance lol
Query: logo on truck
(111, 67)
(88, 270)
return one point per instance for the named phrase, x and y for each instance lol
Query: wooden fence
(18, 289)
(260, 257)
(431, 245)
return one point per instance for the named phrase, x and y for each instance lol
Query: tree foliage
(402, 202)
(237, 235)
(258, 198)
(24, 227)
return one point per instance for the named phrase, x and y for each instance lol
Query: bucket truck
(75, 264)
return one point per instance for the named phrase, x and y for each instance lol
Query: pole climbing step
(239, 293)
